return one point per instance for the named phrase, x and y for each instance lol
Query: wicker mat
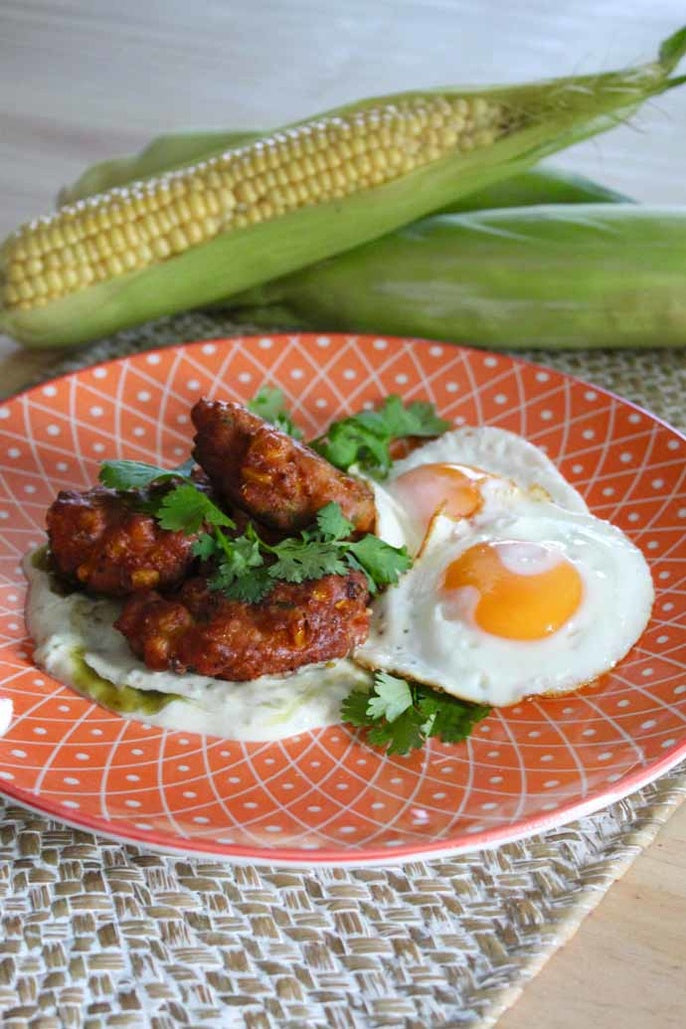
(97, 934)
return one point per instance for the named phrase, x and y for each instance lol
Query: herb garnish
(246, 566)
(269, 403)
(401, 716)
(364, 439)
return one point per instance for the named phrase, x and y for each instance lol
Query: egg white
(413, 636)
(501, 453)
(513, 461)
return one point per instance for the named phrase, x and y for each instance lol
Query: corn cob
(168, 153)
(539, 185)
(290, 198)
(556, 276)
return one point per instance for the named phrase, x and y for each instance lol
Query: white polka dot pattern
(325, 796)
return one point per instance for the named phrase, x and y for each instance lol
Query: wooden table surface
(82, 80)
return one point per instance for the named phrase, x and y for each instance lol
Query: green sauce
(41, 559)
(122, 699)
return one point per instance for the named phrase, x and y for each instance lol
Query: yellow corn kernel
(115, 265)
(195, 233)
(299, 635)
(19, 271)
(254, 475)
(178, 240)
(144, 578)
(71, 278)
(161, 247)
(131, 260)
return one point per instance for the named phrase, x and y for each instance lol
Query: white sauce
(6, 712)
(68, 630)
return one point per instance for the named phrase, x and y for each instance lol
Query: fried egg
(511, 595)
(450, 474)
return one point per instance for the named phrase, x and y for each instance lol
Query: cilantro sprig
(182, 508)
(364, 439)
(246, 567)
(400, 716)
(269, 403)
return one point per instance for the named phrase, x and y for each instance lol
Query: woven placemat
(98, 934)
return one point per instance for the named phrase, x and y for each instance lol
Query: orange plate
(325, 797)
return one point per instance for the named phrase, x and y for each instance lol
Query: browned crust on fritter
(99, 541)
(200, 630)
(276, 479)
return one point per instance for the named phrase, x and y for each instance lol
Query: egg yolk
(452, 489)
(526, 591)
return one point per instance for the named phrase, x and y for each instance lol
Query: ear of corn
(555, 276)
(288, 199)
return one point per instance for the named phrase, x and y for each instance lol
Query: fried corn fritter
(197, 629)
(102, 541)
(276, 479)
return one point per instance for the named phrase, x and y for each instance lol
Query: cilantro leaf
(401, 716)
(400, 736)
(321, 549)
(324, 548)
(250, 589)
(298, 560)
(348, 443)
(186, 508)
(448, 719)
(354, 708)
(387, 713)
(382, 563)
(416, 419)
(391, 697)
(234, 556)
(332, 523)
(125, 475)
(205, 546)
(269, 403)
(243, 553)
(364, 438)
(184, 469)
(240, 571)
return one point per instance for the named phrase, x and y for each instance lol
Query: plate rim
(292, 857)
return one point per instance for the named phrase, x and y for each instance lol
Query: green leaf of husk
(673, 49)
(561, 276)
